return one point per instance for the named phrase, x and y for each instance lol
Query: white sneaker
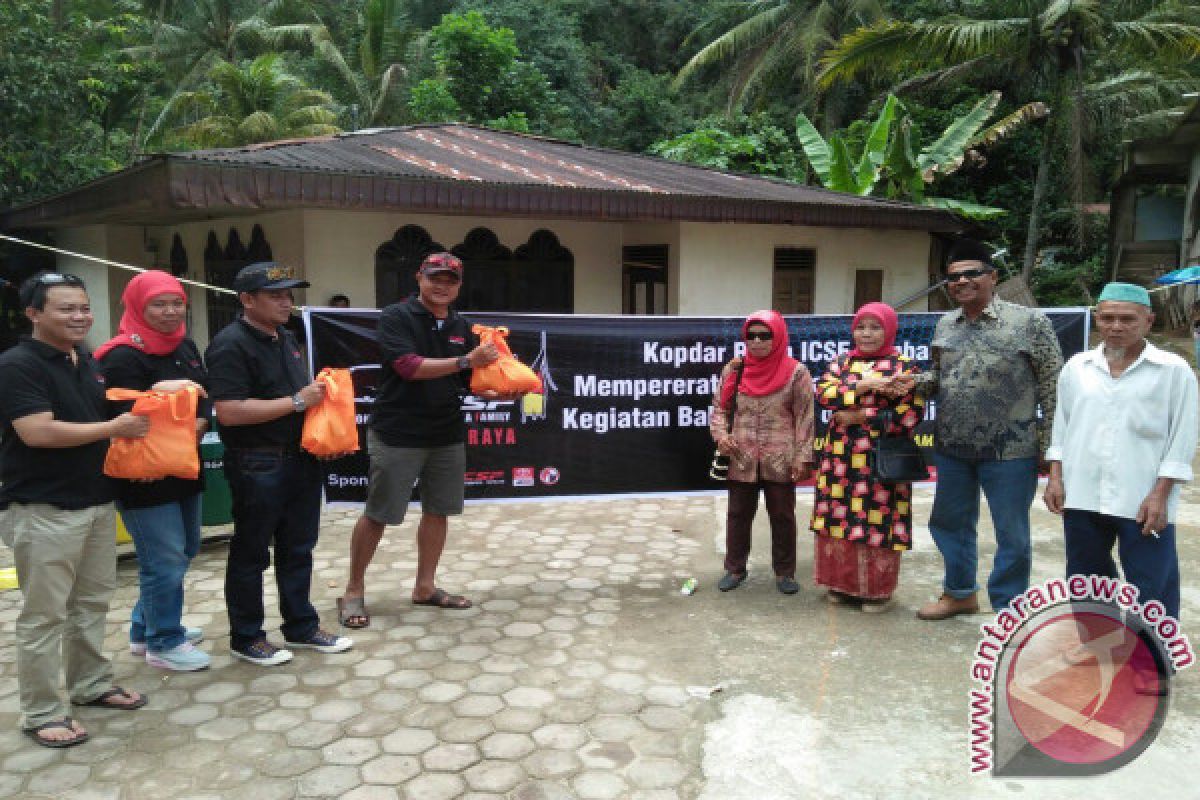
(184, 658)
(325, 642)
(190, 635)
(262, 653)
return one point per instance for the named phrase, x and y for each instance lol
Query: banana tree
(887, 165)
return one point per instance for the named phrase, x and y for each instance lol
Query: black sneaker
(262, 653)
(324, 642)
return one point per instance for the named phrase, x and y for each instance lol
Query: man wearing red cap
(417, 431)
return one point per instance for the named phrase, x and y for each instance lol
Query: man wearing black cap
(417, 431)
(260, 388)
(994, 364)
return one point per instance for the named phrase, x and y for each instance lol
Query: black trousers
(781, 509)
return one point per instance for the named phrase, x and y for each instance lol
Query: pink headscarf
(133, 330)
(886, 317)
(763, 376)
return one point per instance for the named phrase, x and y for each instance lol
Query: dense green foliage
(88, 86)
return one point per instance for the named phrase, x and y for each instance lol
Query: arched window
(221, 265)
(488, 271)
(545, 275)
(397, 261)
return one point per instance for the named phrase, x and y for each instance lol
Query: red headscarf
(763, 376)
(887, 318)
(133, 330)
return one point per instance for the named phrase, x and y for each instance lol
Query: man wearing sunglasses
(995, 364)
(417, 432)
(54, 432)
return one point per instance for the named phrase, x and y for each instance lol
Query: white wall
(723, 269)
(728, 269)
(341, 245)
(91, 240)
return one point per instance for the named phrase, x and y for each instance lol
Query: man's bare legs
(431, 539)
(363, 543)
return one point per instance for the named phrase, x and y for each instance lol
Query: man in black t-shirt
(260, 388)
(60, 523)
(417, 431)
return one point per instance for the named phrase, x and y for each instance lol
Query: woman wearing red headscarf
(151, 350)
(862, 526)
(769, 448)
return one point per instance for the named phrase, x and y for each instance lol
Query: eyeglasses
(966, 274)
(57, 279)
(761, 336)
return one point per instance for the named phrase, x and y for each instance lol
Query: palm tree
(208, 32)
(774, 43)
(1054, 51)
(387, 32)
(255, 102)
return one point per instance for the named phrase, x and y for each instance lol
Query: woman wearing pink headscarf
(151, 350)
(862, 526)
(769, 448)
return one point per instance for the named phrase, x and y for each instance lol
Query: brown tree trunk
(1035, 211)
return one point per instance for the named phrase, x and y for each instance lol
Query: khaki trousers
(67, 567)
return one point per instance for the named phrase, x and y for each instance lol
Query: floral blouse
(774, 433)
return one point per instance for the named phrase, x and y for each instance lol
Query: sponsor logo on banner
(549, 475)
(484, 477)
(522, 476)
(1073, 679)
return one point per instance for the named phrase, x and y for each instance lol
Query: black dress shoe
(731, 581)
(787, 584)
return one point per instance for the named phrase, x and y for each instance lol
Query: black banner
(627, 398)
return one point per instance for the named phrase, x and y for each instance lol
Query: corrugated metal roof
(465, 169)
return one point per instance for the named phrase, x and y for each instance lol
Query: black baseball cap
(267, 275)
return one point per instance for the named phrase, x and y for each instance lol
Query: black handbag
(895, 459)
(718, 470)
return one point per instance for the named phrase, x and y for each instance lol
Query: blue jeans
(1009, 487)
(166, 538)
(1152, 565)
(276, 501)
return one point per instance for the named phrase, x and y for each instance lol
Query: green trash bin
(216, 507)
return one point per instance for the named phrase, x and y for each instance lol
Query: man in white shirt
(1122, 443)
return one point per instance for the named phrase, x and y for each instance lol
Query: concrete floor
(578, 675)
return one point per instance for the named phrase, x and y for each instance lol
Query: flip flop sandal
(351, 607)
(105, 700)
(66, 723)
(442, 599)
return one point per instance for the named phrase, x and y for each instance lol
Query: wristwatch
(298, 403)
(463, 363)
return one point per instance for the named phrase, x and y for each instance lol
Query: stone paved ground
(569, 679)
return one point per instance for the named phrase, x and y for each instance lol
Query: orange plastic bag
(331, 427)
(505, 375)
(170, 449)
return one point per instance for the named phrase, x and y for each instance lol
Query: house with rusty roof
(541, 225)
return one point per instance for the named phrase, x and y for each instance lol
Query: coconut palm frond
(1173, 40)
(308, 116)
(1006, 126)
(259, 126)
(742, 38)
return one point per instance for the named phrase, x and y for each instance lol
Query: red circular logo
(1083, 688)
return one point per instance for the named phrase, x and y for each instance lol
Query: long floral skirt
(870, 573)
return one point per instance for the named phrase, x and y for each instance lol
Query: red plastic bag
(331, 427)
(505, 375)
(170, 449)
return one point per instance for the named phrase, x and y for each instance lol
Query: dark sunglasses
(58, 279)
(966, 274)
(762, 336)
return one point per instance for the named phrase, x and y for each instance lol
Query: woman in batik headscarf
(769, 446)
(862, 526)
